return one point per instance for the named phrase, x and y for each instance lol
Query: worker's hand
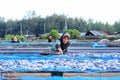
(58, 53)
(60, 50)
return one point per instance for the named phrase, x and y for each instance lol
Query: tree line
(32, 24)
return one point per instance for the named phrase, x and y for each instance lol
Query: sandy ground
(13, 76)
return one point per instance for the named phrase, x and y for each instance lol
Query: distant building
(117, 33)
(95, 33)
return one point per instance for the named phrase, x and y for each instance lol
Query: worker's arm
(58, 48)
(59, 53)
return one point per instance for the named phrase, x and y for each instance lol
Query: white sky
(100, 10)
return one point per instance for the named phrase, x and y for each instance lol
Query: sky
(98, 10)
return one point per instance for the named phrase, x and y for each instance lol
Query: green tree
(2, 27)
(73, 33)
(54, 34)
(19, 37)
(76, 33)
(116, 26)
(8, 37)
(33, 24)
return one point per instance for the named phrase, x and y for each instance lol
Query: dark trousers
(57, 74)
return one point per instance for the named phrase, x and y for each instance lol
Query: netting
(17, 57)
(89, 62)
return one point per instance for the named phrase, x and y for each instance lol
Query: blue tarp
(24, 43)
(65, 78)
(37, 56)
(2, 78)
(37, 43)
(37, 62)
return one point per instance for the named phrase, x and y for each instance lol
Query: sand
(13, 76)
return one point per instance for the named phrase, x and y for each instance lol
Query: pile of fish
(114, 55)
(77, 62)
